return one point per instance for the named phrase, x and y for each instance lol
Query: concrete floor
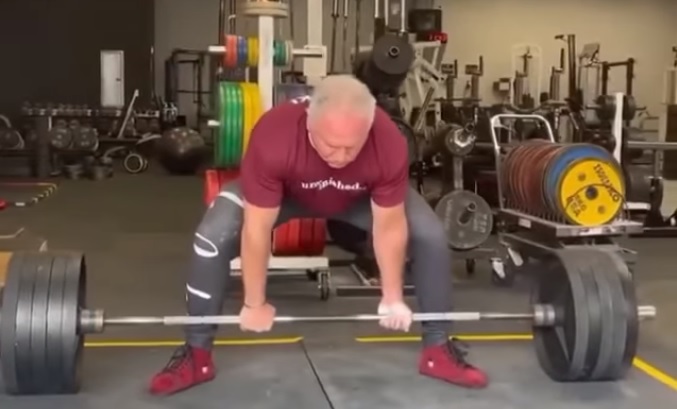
(136, 232)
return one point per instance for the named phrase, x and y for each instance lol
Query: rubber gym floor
(136, 232)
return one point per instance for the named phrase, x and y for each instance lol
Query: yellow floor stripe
(174, 343)
(655, 373)
(463, 337)
(650, 370)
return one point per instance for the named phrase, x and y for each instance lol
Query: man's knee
(427, 230)
(424, 225)
(219, 230)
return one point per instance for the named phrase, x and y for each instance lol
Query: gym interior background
(158, 163)
(489, 28)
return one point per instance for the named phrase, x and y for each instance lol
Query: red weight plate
(294, 238)
(306, 237)
(281, 240)
(230, 57)
(319, 236)
(226, 55)
(277, 240)
(226, 176)
(211, 186)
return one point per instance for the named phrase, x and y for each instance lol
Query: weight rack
(535, 237)
(314, 57)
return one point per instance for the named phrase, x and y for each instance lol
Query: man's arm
(389, 231)
(255, 251)
(262, 190)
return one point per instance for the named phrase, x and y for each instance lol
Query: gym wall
(642, 29)
(194, 25)
(51, 48)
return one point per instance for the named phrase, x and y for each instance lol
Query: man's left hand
(398, 316)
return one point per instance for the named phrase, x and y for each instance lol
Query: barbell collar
(542, 315)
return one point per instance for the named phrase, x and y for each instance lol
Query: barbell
(585, 320)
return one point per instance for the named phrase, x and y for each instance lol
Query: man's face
(339, 136)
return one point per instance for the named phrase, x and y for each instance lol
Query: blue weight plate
(242, 50)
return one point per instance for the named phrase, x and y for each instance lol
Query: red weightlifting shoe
(447, 363)
(188, 367)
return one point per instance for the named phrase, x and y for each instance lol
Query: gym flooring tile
(136, 231)
(342, 376)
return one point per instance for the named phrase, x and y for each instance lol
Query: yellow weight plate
(251, 50)
(248, 114)
(591, 192)
(258, 103)
(255, 51)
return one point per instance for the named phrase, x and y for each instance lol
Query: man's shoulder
(280, 123)
(387, 148)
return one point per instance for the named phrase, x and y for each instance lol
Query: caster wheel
(312, 275)
(502, 273)
(323, 285)
(470, 266)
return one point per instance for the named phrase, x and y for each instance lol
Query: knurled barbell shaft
(645, 311)
(234, 319)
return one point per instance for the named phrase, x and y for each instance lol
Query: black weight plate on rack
(561, 349)
(55, 358)
(10, 301)
(74, 297)
(85, 138)
(22, 335)
(60, 137)
(392, 55)
(38, 323)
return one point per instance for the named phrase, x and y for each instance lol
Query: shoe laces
(179, 359)
(458, 351)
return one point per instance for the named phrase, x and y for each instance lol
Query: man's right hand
(257, 318)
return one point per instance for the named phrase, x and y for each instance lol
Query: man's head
(340, 115)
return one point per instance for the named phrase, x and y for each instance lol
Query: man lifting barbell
(336, 156)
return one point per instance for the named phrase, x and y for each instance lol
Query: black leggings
(217, 242)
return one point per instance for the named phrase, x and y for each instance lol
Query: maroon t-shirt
(281, 162)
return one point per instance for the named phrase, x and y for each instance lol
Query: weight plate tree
(577, 184)
(586, 297)
(239, 109)
(244, 52)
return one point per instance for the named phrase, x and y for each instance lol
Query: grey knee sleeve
(430, 267)
(215, 244)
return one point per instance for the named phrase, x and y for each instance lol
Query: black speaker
(425, 21)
